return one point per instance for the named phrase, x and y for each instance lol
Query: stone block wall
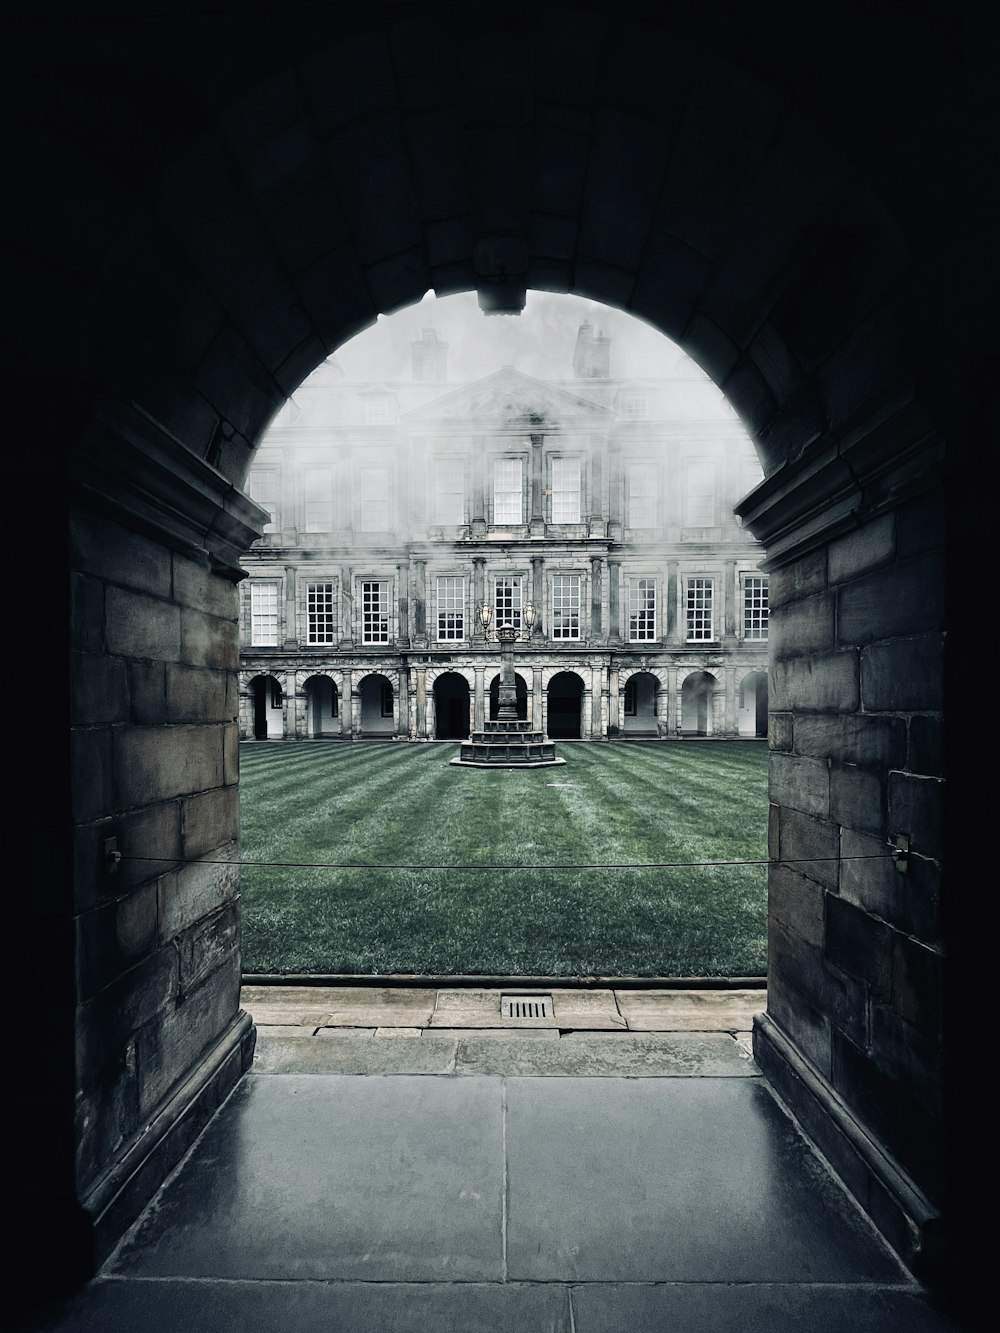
(154, 751)
(856, 948)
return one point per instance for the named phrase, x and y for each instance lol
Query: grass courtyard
(380, 804)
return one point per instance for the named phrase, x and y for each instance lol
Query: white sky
(538, 342)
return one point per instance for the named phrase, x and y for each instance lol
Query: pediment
(509, 395)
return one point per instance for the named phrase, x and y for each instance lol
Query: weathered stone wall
(855, 947)
(155, 764)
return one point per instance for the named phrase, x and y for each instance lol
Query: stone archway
(267, 704)
(564, 712)
(451, 706)
(834, 316)
(697, 702)
(322, 700)
(752, 716)
(376, 706)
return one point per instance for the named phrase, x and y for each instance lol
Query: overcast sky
(539, 341)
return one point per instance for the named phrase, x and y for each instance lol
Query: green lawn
(403, 803)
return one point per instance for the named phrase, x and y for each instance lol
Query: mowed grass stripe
(408, 805)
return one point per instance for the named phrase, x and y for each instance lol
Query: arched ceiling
(247, 186)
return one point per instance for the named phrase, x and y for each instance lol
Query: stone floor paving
(481, 1177)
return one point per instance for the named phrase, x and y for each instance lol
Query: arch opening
(451, 706)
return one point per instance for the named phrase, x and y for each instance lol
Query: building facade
(399, 509)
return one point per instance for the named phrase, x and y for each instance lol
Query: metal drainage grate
(526, 1006)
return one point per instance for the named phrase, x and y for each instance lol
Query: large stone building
(399, 508)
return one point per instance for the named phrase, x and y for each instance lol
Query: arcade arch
(823, 312)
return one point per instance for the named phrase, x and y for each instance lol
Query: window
(385, 698)
(449, 491)
(264, 614)
(637, 407)
(699, 496)
(451, 607)
(630, 697)
(321, 623)
(700, 596)
(507, 501)
(565, 490)
(262, 486)
(374, 611)
(755, 607)
(378, 410)
(317, 499)
(275, 693)
(641, 610)
(507, 600)
(374, 499)
(641, 495)
(566, 606)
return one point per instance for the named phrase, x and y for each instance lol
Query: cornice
(130, 467)
(836, 486)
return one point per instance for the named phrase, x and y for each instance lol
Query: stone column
(605, 721)
(291, 610)
(597, 679)
(596, 580)
(346, 609)
(614, 700)
(403, 694)
(478, 635)
(421, 725)
(478, 490)
(538, 595)
(420, 603)
(670, 625)
(479, 711)
(355, 713)
(616, 498)
(597, 526)
(537, 466)
(586, 713)
(730, 722)
(614, 593)
(537, 701)
(298, 722)
(402, 592)
(345, 703)
(729, 603)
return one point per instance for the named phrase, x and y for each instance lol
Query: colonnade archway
(565, 706)
(376, 706)
(451, 706)
(322, 707)
(678, 165)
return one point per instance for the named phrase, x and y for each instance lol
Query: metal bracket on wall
(900, 844)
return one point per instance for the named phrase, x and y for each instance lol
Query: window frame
(632, 466)
(257, 588)
(455, 462)
(556, 611)
(631, 586)
(455, 632)
(692, 610)
(517, 582)
(499, 461)
(747, 579)
(330, 584)
(383, 613)
(556, 461)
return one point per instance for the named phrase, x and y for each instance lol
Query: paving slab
(342, 1006)
(674, 1180)
(286, 1015)
(691, 1011)
(594, 1010)
(172, 1306)
(606, 1055)
(506, 1034)
(335, 1178)
(399, 1032)
(721, 1308)
(358, 1051)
